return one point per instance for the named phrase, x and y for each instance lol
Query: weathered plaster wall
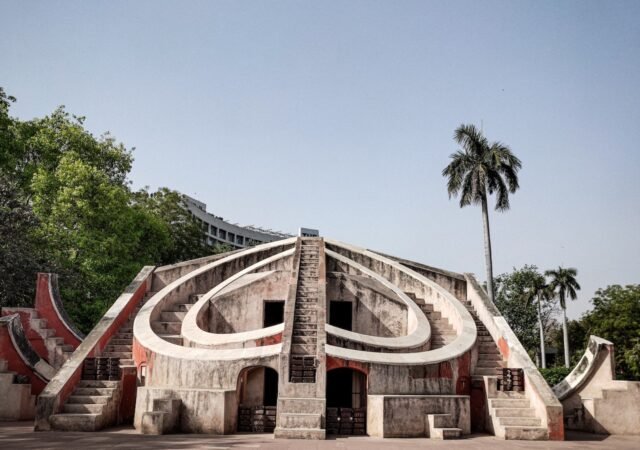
(404, 416)
(376, 310)
(242, 309)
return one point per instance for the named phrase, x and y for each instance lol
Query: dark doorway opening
(270, 387)
(258, 399)
(273, 312)
(341, 315)
(346, 402)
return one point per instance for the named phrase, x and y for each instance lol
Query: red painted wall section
(503, 346)
(15, 362)
(47, 310)
(337, 363)
(463, 382)
(35, 339)
(269, 340)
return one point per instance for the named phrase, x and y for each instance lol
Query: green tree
(478, 170)
(522, 316)
(616, 317)
(92, 230)
(186, 237)
(563, 284)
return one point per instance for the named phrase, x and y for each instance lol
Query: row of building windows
(224, 236)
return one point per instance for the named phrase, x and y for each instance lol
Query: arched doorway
(257, 400)
(346, 402)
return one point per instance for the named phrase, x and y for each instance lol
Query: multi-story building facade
(217, 231)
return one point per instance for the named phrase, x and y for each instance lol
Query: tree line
(67, 206)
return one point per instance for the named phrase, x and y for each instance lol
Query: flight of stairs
(442, 426)
(92, 406)
(17, 402)
(300, 410)
(170, 323)
(305, 316)
(442, 332)
(58, 351)
(513, 417)
(490, 360)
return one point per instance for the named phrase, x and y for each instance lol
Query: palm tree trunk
(565, 333)
(543, 356)
(487, 247)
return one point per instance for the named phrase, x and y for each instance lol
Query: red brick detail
(337, 363)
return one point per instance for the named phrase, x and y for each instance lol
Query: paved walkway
(19, 435)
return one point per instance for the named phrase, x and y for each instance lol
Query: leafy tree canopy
(616, 317)
(66, 206)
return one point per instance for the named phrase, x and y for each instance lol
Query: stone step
(87, 399)
(446, 433)
(76, 422)
(492, 371)
(38, 323)
(115, 341)
(520, 421)
(121, 355)
(489, 357)
(172, 316)
(54, 341)
(509, 394)
(526, 433)
(509, 403)
(93, 391)
(514, 412)
(303, 349)
(304, 339)
(181, 307)
(440, 421)
(127, 336)
(81, 408)
(98, 383)
(487, 363)
(166, 327)
(118, 348)
(433, 315)
(297, 332)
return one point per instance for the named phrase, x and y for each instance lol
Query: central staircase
(304, 339)
(301, 405)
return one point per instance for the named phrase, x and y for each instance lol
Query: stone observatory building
(303, 337)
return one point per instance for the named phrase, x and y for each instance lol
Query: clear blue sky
(339, 115)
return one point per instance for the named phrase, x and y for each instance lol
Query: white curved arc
(464, 341)
(418, 335)
(196, 335)
(147, 338)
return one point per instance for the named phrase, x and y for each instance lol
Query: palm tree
(478, 170)
(563, 284)
(539, 292)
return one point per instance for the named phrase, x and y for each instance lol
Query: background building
(219, 231)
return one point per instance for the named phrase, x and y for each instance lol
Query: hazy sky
(340, 115)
